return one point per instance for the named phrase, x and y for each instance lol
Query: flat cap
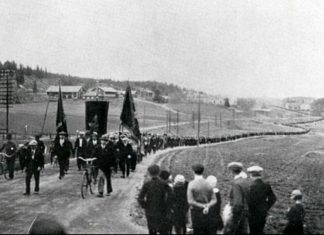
(198, 168)
(179, 179)
(235, 165)
(104, 137)
(295, 193)
(252, 169)
(32, 143)
(94, 134)
(81, 133)
(62, 133)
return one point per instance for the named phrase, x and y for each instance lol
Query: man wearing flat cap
(10, 150)
(262, 199)
(62, 149)
(126, 154)
(34, 163)
(104, 152)
(239, 201)
(80, 149)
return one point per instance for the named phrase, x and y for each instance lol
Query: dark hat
(87, 133)
(154, 170)
(198, 168)
(164, 175)
(45, 224)
(63, 133)
(104, 138)
(94, 134)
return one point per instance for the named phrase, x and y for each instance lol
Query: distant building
(68, 92)
(298, 103)
(103, 93)
(145, 94)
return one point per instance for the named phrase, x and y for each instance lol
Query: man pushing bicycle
(10, 151)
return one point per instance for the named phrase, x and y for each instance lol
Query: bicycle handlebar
(87, 159)
(5, 155)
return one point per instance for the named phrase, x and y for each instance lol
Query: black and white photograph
(161, 117)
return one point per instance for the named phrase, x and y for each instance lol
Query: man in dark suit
(126, 154)
(239, 201)
(10, 149)
(104, 152)
(262, 199)
(155, 198)
(80, 149)
(62, 149)
(34, 162)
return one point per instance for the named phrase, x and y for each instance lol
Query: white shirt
(80, 142)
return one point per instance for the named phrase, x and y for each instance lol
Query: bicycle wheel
(84, 185)
(5, 171)
(1, 170)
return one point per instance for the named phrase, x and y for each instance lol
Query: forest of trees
(25, 72)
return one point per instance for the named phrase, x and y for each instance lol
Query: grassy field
(289, 163)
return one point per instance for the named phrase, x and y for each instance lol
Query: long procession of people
(170, 205)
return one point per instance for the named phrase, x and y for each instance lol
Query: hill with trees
(37, 80)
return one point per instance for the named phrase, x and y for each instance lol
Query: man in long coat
(155, 198)
(34, 162)
(239, 201)
(62, 149)
(104, 152)
(10, 150)
(262, 199)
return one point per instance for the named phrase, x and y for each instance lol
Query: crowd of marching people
(178, 205)
(169, 204)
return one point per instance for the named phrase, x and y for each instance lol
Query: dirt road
(62, 199)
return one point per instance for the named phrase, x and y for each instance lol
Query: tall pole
(167, 122)
(220, 119)
(193, 120)
(198, 133)
(208, 129)
(177, 122)
(7, 104)
(215, 119)
(144, 117)
(170, 120)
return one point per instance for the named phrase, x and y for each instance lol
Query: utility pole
(220, 120)
(170, 120)
(167, 122)
(144, 117)
(215, 119)
(193, 119)
(177, 122)
(208, 129)
(198, 119)
(6, 88)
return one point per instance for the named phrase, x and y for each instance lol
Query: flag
(60, 116)
(128, 115)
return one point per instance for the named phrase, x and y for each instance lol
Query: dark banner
(96, 116)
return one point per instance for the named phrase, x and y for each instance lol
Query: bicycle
(88, 177)
(3, 165)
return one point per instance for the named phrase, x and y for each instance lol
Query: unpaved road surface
(62, 199)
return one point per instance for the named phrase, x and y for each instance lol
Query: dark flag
(127, 117)
(60, 116)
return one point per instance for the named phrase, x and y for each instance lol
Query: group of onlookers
(176, 205)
